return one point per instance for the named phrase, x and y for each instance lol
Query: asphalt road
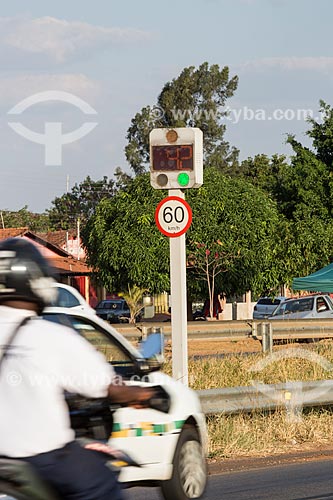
(306, 481)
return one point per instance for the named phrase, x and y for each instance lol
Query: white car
(170, 446)
(70, 298)
(266, 306)
(308, 307)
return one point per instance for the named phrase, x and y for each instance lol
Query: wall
(244, 311)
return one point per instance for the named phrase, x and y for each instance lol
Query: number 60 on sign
(173, 216)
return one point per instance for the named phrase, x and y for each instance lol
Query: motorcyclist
(42, 360)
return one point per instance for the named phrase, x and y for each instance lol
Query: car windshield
(329, 300)
(294, 306)
(268, 302)
(109, 342)
(65, 299)
(109, 304)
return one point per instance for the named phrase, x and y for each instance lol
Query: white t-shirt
(44, 360)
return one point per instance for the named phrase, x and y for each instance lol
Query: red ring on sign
(189, 212)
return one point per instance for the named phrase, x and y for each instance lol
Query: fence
(291, 396)
(266, 332)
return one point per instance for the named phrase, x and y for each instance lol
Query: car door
(146, 434)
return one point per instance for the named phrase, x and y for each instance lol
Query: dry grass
(265, 433)
(261, 434)
(306, 362)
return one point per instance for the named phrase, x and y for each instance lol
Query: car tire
(189, 474)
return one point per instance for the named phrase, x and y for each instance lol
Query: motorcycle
(92, 421)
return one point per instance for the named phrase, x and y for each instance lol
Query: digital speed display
(172, 158)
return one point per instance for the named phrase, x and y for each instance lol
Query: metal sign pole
(178, 303)
(176, 163)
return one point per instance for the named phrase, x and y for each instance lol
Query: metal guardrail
(240, 330)
(196, 330)
(291, 396)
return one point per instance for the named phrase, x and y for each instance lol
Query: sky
(101, 62)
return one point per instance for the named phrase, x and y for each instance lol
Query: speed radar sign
(173, 216)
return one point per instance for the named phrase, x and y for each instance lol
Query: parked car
(199, 315)
(170, 446)
(70, 298)
(113, 310)
(266, 306)
(314, 306)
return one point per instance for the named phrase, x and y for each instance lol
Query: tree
(80, 203)
(266, 173)
(195, 99)
(245, 221)
(302, 189)
(24, 218)
(134, 300)
(208, 263)
(124, 245)
(302, 185)
(307, 185)
(123, 242)
(322, 135)
(306, 246)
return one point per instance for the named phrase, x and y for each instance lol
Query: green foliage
(307, 246)
(301, 188)
(80, 203)
(266, 173)
(303, 191)
(306, 184)
(195, 99)
(134, 299)
(24, 218)
(245, 221)
(123, 242)
(322, 135)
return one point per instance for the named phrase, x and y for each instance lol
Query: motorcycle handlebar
(160, 401)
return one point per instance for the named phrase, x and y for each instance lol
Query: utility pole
(78, 239)
(67, 189)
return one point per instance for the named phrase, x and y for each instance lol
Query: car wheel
(189, 474)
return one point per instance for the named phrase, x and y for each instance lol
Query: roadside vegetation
(265, 433)
(309, 362)
(268, 433)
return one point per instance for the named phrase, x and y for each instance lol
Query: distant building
(70, 266)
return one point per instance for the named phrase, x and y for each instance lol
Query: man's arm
(130, 395)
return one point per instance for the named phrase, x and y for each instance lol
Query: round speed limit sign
(173, 216)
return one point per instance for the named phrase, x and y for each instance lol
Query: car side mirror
(322, 308)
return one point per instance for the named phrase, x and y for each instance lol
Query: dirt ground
(247, 463)
(217, 347)
(206, 347)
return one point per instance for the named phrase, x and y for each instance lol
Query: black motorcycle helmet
(25, 274)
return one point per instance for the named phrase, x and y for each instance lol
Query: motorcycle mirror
(152, 346)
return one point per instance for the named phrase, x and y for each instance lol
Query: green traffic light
(183, 179)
